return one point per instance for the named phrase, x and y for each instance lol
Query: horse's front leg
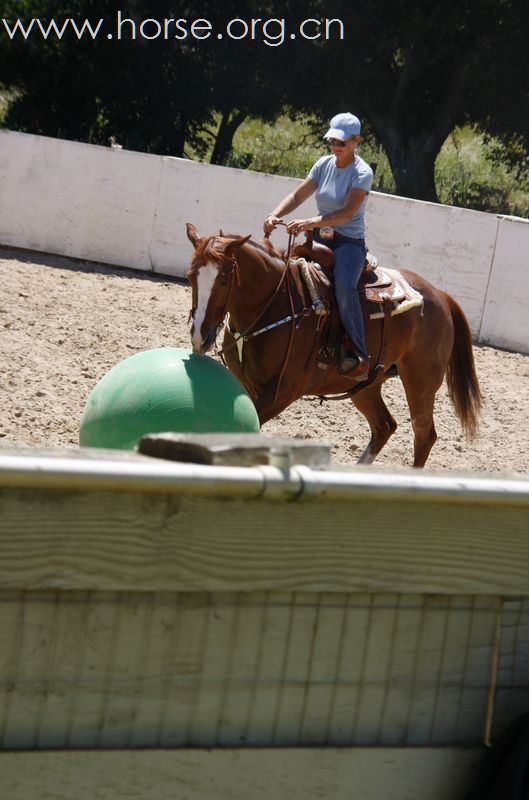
(269, 403)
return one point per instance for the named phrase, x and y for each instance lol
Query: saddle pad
(382, 283)
(403, 296)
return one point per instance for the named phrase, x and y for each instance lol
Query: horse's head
(212, 275)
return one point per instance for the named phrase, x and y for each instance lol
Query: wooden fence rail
(345, 643)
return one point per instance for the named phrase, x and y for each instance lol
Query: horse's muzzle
(202, 345)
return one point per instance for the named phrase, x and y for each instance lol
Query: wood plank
(234, 449)
(282, 774)
(119, 669)
(119, 542)
(512, 690)
(267, 687)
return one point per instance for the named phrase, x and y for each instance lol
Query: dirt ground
(63, 324)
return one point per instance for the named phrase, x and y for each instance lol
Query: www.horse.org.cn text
(272, 32)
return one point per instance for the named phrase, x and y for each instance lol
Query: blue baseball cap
(343, 126)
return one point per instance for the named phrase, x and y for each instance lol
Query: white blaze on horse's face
(206, 276)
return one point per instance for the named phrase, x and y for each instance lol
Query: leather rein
(249, 333)
(234, 278)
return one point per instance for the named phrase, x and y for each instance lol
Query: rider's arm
(290, 202)
(295, 198)
(353, 202)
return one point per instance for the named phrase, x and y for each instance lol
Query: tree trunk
(412, 145)
(229, 123)
(412, 163)
(178, 144)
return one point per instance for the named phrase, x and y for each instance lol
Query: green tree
(412, 70)
(141, 92)
(415, 70)
(161, 96)
(258, 78)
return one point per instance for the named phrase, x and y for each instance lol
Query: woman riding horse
(342, 182)
(272, 339)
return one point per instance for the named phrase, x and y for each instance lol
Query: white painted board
(286, 774)
(77, 200)
(506, 314)
(451, 247)
(212, 198)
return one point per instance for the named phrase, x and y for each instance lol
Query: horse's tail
(461, 377)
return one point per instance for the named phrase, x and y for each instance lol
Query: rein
(305, 312)
(291, 240)
(290, 318)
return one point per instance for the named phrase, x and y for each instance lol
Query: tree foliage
(416, 70)
(412, 70)
(159, 95)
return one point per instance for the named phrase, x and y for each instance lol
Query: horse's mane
(206, 250)
(268, 247)
(264, 245)
(209, 247)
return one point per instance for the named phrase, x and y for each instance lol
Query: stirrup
(352, 364)
(349, 363)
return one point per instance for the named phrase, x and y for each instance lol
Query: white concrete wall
(129, 209)
(451, 247)
(505, 318)
(77, 200)
(212, 198)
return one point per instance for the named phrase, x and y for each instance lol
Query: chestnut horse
(245, 279)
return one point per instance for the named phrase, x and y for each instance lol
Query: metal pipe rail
(268, 482)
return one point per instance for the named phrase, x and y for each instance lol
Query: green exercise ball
(168, 389)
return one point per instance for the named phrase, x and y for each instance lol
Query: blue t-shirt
(334, 184)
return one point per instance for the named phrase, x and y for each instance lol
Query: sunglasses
(336, 143)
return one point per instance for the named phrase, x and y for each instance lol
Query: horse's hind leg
(425, 435)
(370, 403)
(420, 395)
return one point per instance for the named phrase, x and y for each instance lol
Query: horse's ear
(235, 244)
(192, 234)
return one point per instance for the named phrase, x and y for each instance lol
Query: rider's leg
(349, 260)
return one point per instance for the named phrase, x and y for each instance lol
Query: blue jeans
(349, 261)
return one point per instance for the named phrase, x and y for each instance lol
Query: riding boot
(354, 367)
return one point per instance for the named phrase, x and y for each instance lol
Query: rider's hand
(270, 222)
(296, 226)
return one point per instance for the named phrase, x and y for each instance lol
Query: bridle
(230, 265)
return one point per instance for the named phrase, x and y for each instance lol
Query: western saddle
(375, 283)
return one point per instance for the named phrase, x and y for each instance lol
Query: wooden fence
(171, 630)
